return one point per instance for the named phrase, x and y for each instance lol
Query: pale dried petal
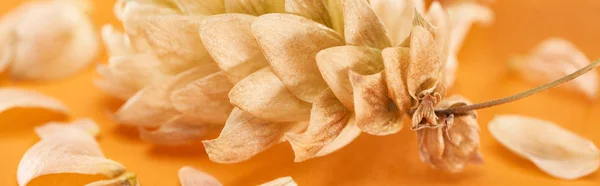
(423, 70)
(179, 130)
(255, 7)
(189, 176)
(222, 34)
(336, 13)
(462, 16)
(312, 9)
(152, 106)
(135, 15)
(347, 135)
(290, 44)
(554, 58)
(174, 39)
(127, 179)
(110, 84)
(245, 135)
(285, 181)
(327, 119)
(450, 70)
(438, 17)
(201, 7)
(263, 95)
(362, 27)
(136, 71)
(55, 129)
(431, 143)
(115, 42)
(376, 114)
(205, 99)
(61, 45)
(334, 64)
(11, 98)
(397, 16)
(396, 61)
(65, 151)
(553, 149)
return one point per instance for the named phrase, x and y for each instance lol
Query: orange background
(370, 160)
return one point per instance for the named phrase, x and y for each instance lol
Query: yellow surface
(370, 160)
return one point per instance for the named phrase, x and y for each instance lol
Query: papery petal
(327, 119)
(174, 39)
(396, 61)
(60, 46)
(137, 71)
(424, 68)
(189, 176)
(431, 143)
(553, 149)
(462, 16)
(127, 179)
(336, 13)
(115, 42)
(312, 9)
(376, 114)
(554, 58)
(152, 106)
(263, 95)
(222, 34)
(179, 130)
(255, 7)
(450, 70)
(65, 151)
(362, 27)
(205, 99)
(55, 129)
(111, 84)
(285, 181)
(438, 17)
(11, 98)
(135, 15)
(290, 44)
(347, 135)
(334, 64)
(397, 16)
(202, 7)
(245, 135)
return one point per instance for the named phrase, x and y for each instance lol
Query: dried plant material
(397, 16)
(553, 149)
(285, 181)
(554, 58)
(451, 146)
(263, 95)
(189, 176)
(423, 70)
(61, 45)
(245, 135)
(134, 19)
(178, 131)
(334, 64)
(336, 13)
(375, 112)
(327, 119)
(362, 27)
(56, 128)
(314, 10)
(127, 179)
(116, 42)
(65, 149)
(289, 56)
(11, 98)
(396, 61)
(462, 16)
(222, 34)
(205, 7)
(255, 7)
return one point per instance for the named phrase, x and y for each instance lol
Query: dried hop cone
(314, 73)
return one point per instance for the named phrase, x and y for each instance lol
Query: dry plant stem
(467, 108)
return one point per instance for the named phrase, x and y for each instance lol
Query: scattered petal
(69, 150)
(222, 34)
(375, 113)
(127, 179)
(189, 176)
(290, 44)
(245, 135)
(11, 98)
(285, 181)
(314, 10)
(56, 128)
(204, 7)
(328, 118)
(555, 58)
(362, 27)
(263, 95)
(553, 149)
(396, 61)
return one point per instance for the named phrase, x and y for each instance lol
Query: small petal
(362, 27)
(245, 135)
(189, 176)
(203, 7)
(255, 7)
(555, 58)
(553, 149)
(397, 17)
(290, 44)
(263, 95)
(424, 68)
(328, 118)
(178, 131)
(375, 113)
(55, 129)
(115, 42)
(334, 64)
(205, 99)
(127, 179)
(347, 135)
(396, 61)
(285, 181)
(222, 34)
(11, 98)
(311, 9)
(70, 150)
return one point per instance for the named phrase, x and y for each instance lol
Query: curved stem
(467, 108)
